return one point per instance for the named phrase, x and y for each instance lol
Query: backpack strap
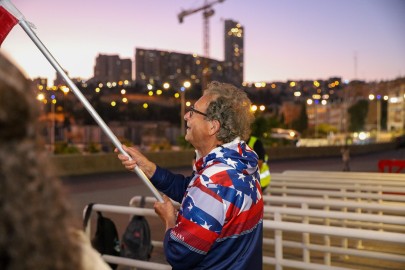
(87, 215)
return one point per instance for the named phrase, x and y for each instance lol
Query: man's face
(197, 124)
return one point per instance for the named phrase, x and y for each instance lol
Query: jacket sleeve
(173, 185)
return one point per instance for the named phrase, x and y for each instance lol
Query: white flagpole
(85, 102)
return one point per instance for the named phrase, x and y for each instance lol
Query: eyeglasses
(192, 110)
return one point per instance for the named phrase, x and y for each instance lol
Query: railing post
(380, 201)
(345, 242)
(278, 248)
(359, 244)
(327, 256)
(305, 237)
(284, 194)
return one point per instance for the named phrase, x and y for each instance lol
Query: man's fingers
(165, 198)
(122, 157)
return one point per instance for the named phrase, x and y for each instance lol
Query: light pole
(185, 86)
(42, 99)
(402, 100)
(53, 102)
(378, 117)
(378, 110)
(314, 102)
(316, 117)
(345, 118)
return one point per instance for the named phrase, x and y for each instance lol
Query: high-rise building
(111, 68)
(59, 79)
(234, 36)
(126, 70)
(396, 108)
(162, 66)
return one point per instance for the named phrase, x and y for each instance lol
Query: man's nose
(186, 115)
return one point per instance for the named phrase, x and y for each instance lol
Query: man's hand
(138, 159)
(166, 212)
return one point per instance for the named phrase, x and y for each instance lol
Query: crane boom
(207, 13)
(185, 13)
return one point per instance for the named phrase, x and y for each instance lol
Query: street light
(183, 89)
(166, 85)
(254, 108)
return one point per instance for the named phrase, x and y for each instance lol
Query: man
(345, 151)
(219, 223)
(265, 177)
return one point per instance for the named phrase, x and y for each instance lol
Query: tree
(358, 114)
(259, 126)
(301, 123)
(263, 125)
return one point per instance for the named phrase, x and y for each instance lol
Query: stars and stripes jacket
(219, 224)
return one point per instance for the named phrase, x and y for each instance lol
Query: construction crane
(207, 13)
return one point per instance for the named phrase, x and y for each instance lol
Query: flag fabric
(9, 17)
(7, 22)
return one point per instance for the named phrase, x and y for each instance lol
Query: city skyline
(284, 40)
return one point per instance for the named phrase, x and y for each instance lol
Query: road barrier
(391, 165)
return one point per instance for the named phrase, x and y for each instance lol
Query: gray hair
(231, 107)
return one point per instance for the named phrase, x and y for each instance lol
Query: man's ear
(214, 127)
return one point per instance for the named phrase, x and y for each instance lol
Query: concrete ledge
(78, 164)
(290, 152)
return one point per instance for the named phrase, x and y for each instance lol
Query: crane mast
(207, 13)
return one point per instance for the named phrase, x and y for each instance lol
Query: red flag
(10, 16)
(7, 22)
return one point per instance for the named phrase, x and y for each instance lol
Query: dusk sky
(284, 39)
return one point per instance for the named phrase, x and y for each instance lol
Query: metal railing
(347, 211)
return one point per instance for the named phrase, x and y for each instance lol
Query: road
(119, 188)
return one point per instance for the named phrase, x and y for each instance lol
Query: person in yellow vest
(257, 145)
